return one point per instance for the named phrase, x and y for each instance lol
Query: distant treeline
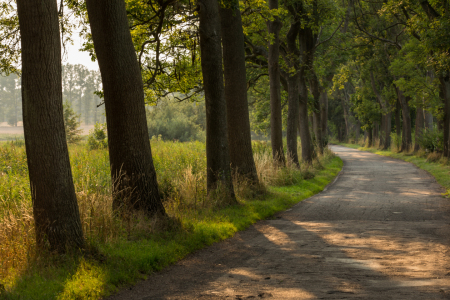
(79, 85)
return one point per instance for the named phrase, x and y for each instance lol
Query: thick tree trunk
(217, 153)
(292, 118)
(238, 122)
(132, 171)
(305, 136)
(420, 122)
(276, 126)
(55, 206)
(444, 80)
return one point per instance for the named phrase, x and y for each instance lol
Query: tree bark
(217, 153)
(238, 121)
(370, 137)
(397, 121)
(315, 90)
(324, 114)
(444, 80)
(276, 126)
(55, 207)
(406, 136)
(420, 122)
(375, 131)
(132, 170)
(293, 93)
(292, 118)
(305, 136)
(358, 130)
(385, 138)
(387, 132)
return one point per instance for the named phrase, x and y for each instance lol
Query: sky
(74, 56)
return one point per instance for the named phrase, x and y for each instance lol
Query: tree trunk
(420, 120)
(397, 122)
(315, 89)
(387, 132)
(428, 120)
(385, 137)
(324, 114)
(375, 131)
(406, 136)
(238, 121)
(55, 207)
(292, 118)
(132, 171)
(370, 137)
(357, 131)
(382, 131)
(444, 80)
(217, 153)
(293, 93)
(305, 136)
(276, 126)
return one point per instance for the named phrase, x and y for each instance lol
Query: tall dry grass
(181, 169)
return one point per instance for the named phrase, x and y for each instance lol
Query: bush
(431, 140)
(71, 124)
(395, 141)
(97, 137)
(181, 121)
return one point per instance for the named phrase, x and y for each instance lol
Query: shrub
(181, 121)
(431, 140)
(71, 124)
(395, 141)
(97, 137)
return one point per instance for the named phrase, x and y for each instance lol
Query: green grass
(10, 136)
(124, 260)
(440, 171)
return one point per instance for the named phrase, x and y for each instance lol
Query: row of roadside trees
(369, 57)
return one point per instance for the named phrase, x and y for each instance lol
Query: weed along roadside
(433, 163)
(121, 251)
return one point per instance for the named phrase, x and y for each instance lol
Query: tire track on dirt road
(381, 231)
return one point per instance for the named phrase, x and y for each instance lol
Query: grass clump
(123, 250)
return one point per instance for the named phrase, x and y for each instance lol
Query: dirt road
(381, 231)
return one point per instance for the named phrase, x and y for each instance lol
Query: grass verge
(440, 170)
(124, 261)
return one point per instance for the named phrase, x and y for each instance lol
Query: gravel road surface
(380, 231)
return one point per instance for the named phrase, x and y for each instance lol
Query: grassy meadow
(121, 251)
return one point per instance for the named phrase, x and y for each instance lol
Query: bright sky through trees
(74, 56)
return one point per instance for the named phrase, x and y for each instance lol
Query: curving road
(380, 231)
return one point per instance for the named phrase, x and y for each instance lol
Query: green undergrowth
(121, 262)
(439, 169)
